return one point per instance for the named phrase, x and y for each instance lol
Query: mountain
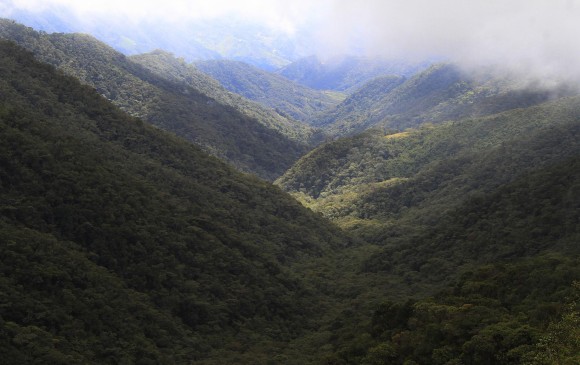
(441, 93)
(122, 243)
(125, 244)
(345, 73)
(177, 70)
(381, 185)
(248, 143)
(286, 97)
(510, 257)
(471, 228)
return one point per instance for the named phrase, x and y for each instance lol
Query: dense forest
(122, 244)
(168, 66)
(438, 225)
(286, 97)
(442, 92)
(249, 143)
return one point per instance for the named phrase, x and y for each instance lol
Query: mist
(534, 37)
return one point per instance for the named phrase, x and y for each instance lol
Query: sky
(541, 37)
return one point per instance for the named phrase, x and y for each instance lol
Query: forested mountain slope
(347, 73)
(168, 66)
(487, 207)
(248, 143)
(462, 157)
(389, 186)
(272, 90)
(443, 92)
(121, 243)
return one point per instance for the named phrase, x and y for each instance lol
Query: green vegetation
(274, 91)
(123, 244)
(441, 93)
(222, 130)
(166, 65)
(481, 214)
(378, 184)
(496, 314)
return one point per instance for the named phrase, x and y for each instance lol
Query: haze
(537, 37)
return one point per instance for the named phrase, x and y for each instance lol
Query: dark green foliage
(441, 93)
(286, 97)
(492, 315)
(222, 130)
(122, 244)
(441, 201)
(413, 176)
(536, 212)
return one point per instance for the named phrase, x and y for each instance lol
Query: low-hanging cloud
(530, 36)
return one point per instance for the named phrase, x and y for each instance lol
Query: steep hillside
(510, 260)
(286, 97)
(441, 93)
(347, 73)
(248, 143)
(481, 214)
(381, 183)
(121, 243)
(124, 244)
(166, 65)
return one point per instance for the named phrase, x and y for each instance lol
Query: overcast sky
(539, 36)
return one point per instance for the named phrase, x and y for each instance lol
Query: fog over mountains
(534, 37)
(263, 182)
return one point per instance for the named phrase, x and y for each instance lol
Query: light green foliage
(561, 343)
(414, 176)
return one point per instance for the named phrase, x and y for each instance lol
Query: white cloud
(275, 13)
(540, 36)
(533, 35)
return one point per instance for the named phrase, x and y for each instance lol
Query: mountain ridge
(166, 65)
(104, 216)
(441, 93)
(220, 129)
(272, 90)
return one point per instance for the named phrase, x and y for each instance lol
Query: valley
(161, 211)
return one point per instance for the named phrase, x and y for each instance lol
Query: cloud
(527, 35)
(536, 36)
(275, 13)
